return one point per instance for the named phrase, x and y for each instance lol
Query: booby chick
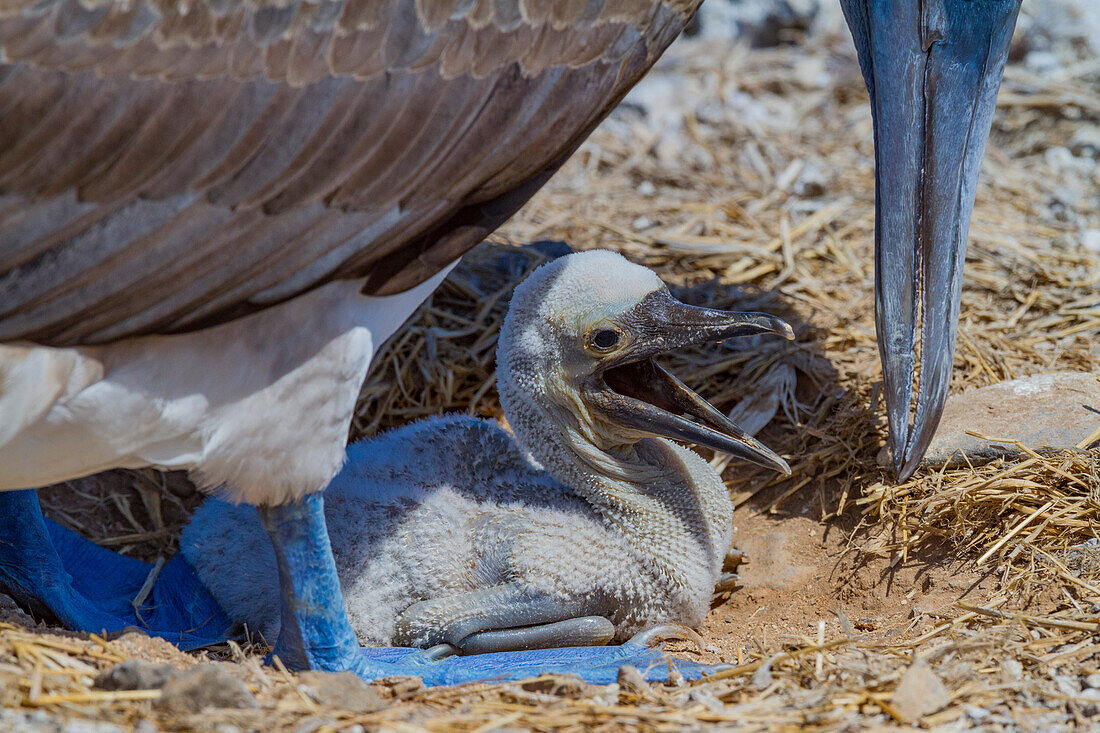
(588, 526)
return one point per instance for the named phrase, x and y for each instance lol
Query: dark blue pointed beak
(932, 68)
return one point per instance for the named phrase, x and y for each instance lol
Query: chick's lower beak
(638, 394)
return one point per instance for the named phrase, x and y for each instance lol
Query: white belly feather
(260, 405)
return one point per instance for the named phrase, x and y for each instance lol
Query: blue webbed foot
(594, 664)
(58, 573)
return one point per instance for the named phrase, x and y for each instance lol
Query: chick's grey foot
(585, 631)
(58, 574)
(509, 632)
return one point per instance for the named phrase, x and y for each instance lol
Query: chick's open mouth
(642, 395)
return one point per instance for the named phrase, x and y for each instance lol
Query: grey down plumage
(454, 511)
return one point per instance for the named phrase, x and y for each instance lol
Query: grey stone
(976, 713)
(342, 690)
(135, 674)
(10, 612)
(632, 682)
(1093, 681)
(920, 692)
(1066, 684)
(1012, 670)
(207, 686)
(1044, 412)
(811, 182)
(1085, 143)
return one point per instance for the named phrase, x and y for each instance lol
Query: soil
(801, 572)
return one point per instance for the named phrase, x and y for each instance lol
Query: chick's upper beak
(932, 69)
(639, 394)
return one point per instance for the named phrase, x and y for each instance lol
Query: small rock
(135, 674)
(976, 713)
(1042, 62)
(1012, 669)
(207, 686)
(919, 693)
(645, 188)
(811, 182)
(1090, 238)
(1067, 685)
(341, 690)
(1044, 412)
(10, 612)
(631, 681)
(402, 687)
(1085, 143)
(559, 685)
(1093, 681)
(642, 223)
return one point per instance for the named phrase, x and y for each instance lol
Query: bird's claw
(664, 632)
(441, 651)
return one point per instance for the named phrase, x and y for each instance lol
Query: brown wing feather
(165, 165)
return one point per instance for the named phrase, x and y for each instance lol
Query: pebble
(341, 690)
(920, 692)
(206, 686)
(1085, 143)
(646, 188)
(1093, 681)
(642, 223)
(1067, 684)
(1012, 669)
(12, 613)
(811, 182)
(1044, 412)
(632, 682)
(135, 674)
(976, 713)
(1090, 238)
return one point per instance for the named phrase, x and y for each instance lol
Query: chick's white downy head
(565, 303)
(558, 328)
(575, 371)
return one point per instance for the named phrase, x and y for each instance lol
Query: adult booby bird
(213, 211)
(589, 525)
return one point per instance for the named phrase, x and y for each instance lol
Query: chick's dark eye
(605, 339)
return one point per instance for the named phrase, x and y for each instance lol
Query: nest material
(757, 195)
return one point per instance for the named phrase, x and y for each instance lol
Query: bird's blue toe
(595, 665)
(89, 588)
